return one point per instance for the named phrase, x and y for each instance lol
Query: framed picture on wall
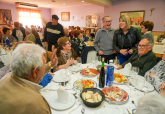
(135, 17)
(65, 16)
(5, 17)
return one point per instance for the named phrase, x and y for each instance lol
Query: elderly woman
(146, 29)
(6, 32)
(66, 55)
(156, 75)
(125, 39)
(79, 42)
(29, 35)
(18, 32)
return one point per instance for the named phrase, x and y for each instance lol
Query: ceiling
(60, 3)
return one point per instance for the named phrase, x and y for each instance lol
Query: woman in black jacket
(125, 39)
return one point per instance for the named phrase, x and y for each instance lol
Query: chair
(158, 59)
(91, 56)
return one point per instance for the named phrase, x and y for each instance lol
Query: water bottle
(110, 72)
(8, 42)
(86, 38)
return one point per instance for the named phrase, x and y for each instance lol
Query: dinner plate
(115, 82)
(92, 70)
(75, 68)
(55, 104)
(108, 110)
(74, 84)
(120, 103)
(58, 78)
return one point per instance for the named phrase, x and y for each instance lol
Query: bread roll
(83, 95)
(88, 96)
(90, 100)
(90, 92)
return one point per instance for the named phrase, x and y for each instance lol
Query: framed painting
(65, 16)
(5, 17)
(135, 17)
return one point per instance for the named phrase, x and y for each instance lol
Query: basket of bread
(92, 97)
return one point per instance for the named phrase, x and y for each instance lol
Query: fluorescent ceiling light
(82, 1)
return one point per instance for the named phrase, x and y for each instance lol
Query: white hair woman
(29, 35)
(20, 87)
(151, 104)
(125, 39)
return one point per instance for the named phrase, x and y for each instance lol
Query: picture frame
(65, 16)
(135, 17)
(5, 17)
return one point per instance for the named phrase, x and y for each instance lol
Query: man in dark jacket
(143, 58)
(53, 31)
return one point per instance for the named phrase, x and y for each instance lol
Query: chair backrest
(91, 56)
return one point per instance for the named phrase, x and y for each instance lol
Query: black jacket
(22, 30)
(133, 36)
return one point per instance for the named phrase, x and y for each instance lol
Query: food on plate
(91, 97)
(85, 83)
(89, 72)
(119, 78)
(112, 98)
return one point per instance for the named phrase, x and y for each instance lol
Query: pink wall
(157, 17)
(79, 11)
(45, 13)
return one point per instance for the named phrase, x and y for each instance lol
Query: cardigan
(22, 30)
(145, 62)
(18, 97)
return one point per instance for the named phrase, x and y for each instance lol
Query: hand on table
(119, 67)
(130, 51)
(124, 51)
(152, 74)
(101, 53)
(52, 74)
(54, 60)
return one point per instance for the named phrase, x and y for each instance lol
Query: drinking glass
(63, 75)
(134, 71)
(116, 63)
(79, 60)
(109, 88)
(119, 95)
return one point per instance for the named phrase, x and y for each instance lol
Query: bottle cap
(111, 61)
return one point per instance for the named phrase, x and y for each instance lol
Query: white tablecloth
(5, 57)
(88, 110)
(159, 49)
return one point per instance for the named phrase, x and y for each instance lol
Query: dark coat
(22, 30)
(133, 36)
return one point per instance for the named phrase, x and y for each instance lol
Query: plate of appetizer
(119, 78)
(89, 72)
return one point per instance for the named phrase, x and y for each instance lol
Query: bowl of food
(92, 97)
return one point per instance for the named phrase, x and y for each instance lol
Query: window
(29, 17)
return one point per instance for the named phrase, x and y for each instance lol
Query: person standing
(104, 39)
(125, 39)
(53, 32)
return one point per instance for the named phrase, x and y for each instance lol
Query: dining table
(5, 56)
(79, 105)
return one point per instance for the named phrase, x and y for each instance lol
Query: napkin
(2, 51)
(63, 95)
(128, 66)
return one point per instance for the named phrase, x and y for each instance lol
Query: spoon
(82, 110)
(134, 103)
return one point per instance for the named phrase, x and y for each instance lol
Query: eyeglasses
(142, 45)
(68, 43)
(108, 21)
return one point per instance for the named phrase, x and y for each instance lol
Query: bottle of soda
(86, 38)
(8, 42)
(110, 72)
(102, 75)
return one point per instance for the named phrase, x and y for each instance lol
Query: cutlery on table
(74, 108)
(128, 111)
(83, 111)
(134, 103)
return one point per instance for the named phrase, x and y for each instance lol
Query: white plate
(55, 104)
(95, 84)
(108, 110)
(75, 68)
(58, 78)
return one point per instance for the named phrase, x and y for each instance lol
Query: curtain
(29, 16)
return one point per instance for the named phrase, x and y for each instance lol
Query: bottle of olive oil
(102, 75)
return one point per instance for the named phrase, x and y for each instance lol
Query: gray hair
(28, 30)
(151, 43)
(151, 104)
(105, 17)
(25, 58)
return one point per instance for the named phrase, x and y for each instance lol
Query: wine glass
(119, 95)
(135, 71)
(116, 62)
(63, 75)
(109, 88)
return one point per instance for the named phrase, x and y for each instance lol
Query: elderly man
(104, 38)
(143, 58)
(53, 32)
(29, 35)
(66, 32)
(19, 89)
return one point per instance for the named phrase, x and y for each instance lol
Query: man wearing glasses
(143, 57)
(104, 39)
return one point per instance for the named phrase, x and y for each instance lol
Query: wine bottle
(102, 75)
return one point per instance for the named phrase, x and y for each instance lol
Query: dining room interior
(98, 56)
